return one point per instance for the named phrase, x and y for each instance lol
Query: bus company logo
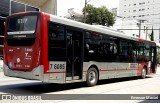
(26, 54)
(18, 60)
(6, 97)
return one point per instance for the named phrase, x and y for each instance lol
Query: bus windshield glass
(21, 30)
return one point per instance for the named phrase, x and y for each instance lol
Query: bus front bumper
(35, 74)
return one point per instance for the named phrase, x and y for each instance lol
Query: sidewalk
(1, 65)
(1, 70)
(1, 74)
(158, 70)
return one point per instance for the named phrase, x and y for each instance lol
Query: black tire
(143, 76)
(92, 77)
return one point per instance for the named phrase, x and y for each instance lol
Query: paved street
(150, 85)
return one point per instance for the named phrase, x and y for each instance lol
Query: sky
(64, 5)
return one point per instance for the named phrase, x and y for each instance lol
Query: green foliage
(99, 16)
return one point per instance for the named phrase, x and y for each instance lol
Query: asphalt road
(16, 86)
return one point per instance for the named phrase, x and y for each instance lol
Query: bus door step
(74, 78)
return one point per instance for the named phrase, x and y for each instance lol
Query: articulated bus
(41, 46)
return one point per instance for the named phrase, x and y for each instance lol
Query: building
(131, 28)
(74, 15)
(145, 11)
(49, 6)
(114, 11)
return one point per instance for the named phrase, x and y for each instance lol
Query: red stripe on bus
(114, 70)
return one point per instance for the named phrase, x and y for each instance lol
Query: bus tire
(92, 77)
(143, 76)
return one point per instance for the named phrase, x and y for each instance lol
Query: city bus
(44, 47)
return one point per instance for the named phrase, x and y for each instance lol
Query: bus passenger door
(74, 55)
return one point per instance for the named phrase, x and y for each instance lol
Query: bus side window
(146, 52)
(124, 51)
(56, 33)
(140, 51)
(2, 26)
(132, 52)
(87, 48)
(56, 42)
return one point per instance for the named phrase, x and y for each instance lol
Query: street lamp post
(146, 32)
(140, 22)
(140, 28)
(85, 10)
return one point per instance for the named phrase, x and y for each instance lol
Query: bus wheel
(143, 76)
(92, 77)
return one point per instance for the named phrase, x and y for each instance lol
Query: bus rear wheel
(92, 77)
(143, 76)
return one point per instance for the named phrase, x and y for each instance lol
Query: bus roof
(92, 28)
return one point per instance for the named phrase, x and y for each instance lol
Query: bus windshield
(21, 30)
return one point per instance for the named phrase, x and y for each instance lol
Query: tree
(91, 14)
(99, 16)
(152, 35)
